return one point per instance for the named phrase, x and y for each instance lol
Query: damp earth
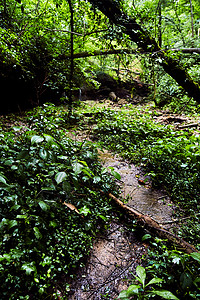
(117, 252)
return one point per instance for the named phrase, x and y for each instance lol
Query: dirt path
(117, 252)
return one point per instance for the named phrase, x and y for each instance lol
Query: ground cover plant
(50, 206)
(171, 157)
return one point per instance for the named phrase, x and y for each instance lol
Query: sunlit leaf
(154, 281)
(123, 295)
(48, 138)
(60, 177)
(85, 211)
(165, 294)
(96, 179)
(133, 289)
(36, 139)
(43, 154)
(114, 173)
(2, 180)
(28, 268)
(140, 271)
(12, 223)
(37, 233)
(196, 256)
(146, 237)
(77, 168)
(43, 205)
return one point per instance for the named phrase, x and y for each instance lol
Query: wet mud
(117, 252)
(110, 267)
(137, 189)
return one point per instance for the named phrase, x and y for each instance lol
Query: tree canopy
(40, 41)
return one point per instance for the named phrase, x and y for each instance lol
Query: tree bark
(112, 9)
(71, 55)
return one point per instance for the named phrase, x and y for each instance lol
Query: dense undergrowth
(44, 176)
(171, 157)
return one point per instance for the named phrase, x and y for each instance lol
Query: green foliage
(171, 271)
(170, 157)
(44, 175)
(141, 290)
(179, 272)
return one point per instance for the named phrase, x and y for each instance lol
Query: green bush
(44, 179)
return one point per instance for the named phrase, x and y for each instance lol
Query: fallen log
(153, 226)
(188, 125)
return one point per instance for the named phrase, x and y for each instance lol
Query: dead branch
(188, 125)
(153, 226)
(102, 52)
(186, 50)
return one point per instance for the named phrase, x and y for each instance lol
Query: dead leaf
(71, 206)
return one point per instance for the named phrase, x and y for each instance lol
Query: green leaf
(21, 217)
(146, 237)
(77, 168)
(43, 205)
(85, 211)
(28, 268)
(154, 281)
(165, 294)
(114, 173)
(60, 177)
(5, 257)
(37, 233)
(67, 186)
(185, 280)
(12, 223)
(48, 138)
(87, 172)
(2, 180)
(96, 179)
(43, 154)
(16, 128)
(36, 139)
(123, 295)
(133, 289)
(140, 271)
(196, 256)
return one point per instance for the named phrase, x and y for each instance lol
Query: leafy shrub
(50, 208)
(171, 158)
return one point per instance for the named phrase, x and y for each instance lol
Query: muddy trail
(116, 251)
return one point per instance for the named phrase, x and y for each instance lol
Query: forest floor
(117, 252)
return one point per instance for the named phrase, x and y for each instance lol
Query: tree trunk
(192, 18)
(71, 55)
(112, 9)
